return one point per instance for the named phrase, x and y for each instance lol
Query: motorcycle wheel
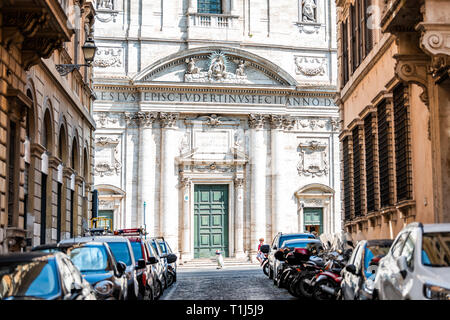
(270, 273)
(266, 269)
(160, 291)
(292, 287)
(282, 280)
(304, 289)
(318, 294)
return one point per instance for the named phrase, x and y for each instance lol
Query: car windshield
(88, 259)
(436, 249)
(372, 252)
(121, 252)
(154, 247)
(163, 247)
(295, 236)
(137, 250)
(29, 279)
(300, 244)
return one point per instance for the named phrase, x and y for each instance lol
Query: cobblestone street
(234, 283)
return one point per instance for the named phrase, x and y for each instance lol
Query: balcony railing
(206, 20)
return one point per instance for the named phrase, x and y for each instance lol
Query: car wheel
(160, 290)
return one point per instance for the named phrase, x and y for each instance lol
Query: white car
(417, 266)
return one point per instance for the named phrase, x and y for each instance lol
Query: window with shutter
(356, 172)
(383, 153)
(370, 169)
(353, 39)
(345, 72)
(346, 173)
(402, 152)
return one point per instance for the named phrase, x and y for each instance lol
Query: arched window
(209, 6)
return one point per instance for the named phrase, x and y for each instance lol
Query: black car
(42, 276)
(122, 251)
(97, 264)
(359, 273)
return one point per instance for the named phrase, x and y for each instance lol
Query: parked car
(166, 260)
(417, 266)
(147, 285)
(98, 266)
(276, 244)
(360, 272)
(157, 270)
(171, 260)
(122, 251)
(42, 276)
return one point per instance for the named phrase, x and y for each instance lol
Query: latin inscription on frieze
(213, 98)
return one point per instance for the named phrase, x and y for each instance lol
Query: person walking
(260, 255)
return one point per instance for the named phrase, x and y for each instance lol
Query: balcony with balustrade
(203, 26)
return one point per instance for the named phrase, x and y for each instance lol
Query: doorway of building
(210, 220)
(313, 220)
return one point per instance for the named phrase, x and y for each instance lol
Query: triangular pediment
(216, 65)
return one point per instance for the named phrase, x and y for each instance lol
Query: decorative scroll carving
(213, 120)
(185, 183)
(413, 69)
(107, 157)
(312, 123)
(108, 58)
(105, 11)
(104, 118)
(310, 66)
(313, 159)
(213, 167)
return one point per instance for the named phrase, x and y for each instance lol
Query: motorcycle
(327, 284)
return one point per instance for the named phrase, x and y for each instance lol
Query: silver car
(417, 266)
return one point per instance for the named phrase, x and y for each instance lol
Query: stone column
(192, 8)
(278, 124)
(169, 180)
(131, 168)
(147, 171)
(186, 244)
(258, 183)
(239, 220)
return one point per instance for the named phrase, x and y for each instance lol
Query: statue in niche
(191, 68)
(309, 11)
(217, 68)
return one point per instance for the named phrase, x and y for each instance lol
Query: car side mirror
(351, 268)
(171, 258)
(402, 266)
(141, 264)
(121, 267)
(153, 260)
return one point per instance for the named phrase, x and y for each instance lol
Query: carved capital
(144, 119)
(256, 121)
(168, 120)
(185, 183)
(239, 182)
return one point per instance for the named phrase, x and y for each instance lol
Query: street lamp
(89, 50)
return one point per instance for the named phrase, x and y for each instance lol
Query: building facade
(46, 131)
(394, 93)
(216, 123)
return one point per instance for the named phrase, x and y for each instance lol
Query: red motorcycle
(327, 284)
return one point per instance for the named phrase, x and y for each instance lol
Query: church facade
(216, 123)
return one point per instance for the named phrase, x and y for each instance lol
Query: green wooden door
(210, 220)
(313, 219)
